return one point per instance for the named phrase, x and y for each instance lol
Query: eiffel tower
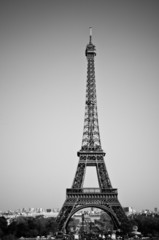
(91, 154)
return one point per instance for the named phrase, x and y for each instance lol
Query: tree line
(27, 227)
(147, 224)
(31, 227)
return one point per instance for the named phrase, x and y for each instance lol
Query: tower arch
(106, 209)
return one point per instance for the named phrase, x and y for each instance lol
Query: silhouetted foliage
(9, 237)
(104, 223)
(27, 227)
(146, 224)
(126, 226)
(3, 226)
(73, 223)
(40, 226)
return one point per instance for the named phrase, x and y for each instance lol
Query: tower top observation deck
(90, 48)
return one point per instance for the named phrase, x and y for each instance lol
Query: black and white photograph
(79, 119)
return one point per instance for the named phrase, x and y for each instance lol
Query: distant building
(129, 210)
(48, 210)
(155, 210)
(32, 209)
(89, 217)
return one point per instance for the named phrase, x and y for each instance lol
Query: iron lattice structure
(91, 154)
(91, 137)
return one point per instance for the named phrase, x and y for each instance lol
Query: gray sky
(42, 98)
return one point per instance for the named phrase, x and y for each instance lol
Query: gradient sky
(42, 98)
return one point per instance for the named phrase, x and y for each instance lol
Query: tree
(105, 223)
(51, 225)
(27, 227)
(3, 226)
(147, 224)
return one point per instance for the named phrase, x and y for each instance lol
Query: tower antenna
(90, 35)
